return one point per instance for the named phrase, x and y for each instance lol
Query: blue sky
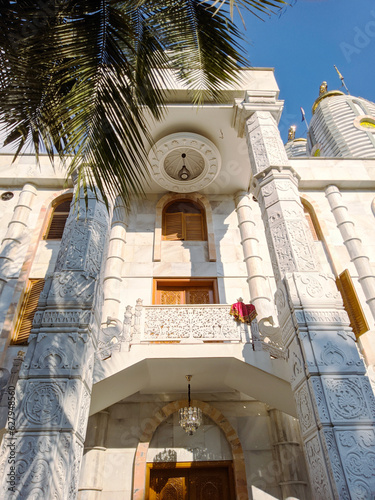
(306, 41)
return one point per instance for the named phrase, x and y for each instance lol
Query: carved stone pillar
(335, 403)
(13, 237)
(91, 480)
(54, 387)
(289, 455)
(256, 279)
(115, 260)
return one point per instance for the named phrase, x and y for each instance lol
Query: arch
(184, 220)
(56, 220)
(319, 225)
(139, 476)
(201, 200)
(312, 219)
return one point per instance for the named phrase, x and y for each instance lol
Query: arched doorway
(207, 474)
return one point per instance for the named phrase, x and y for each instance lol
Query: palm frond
(79, 78)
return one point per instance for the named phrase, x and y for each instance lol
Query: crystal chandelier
(190, 416)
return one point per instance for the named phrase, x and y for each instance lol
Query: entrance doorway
(190, 481)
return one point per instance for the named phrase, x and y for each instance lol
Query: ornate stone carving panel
(317, 469)
(319, 400)
(47, 356)
(71, 288)
(296, 364)
(304, 409)
(65, 317)
(335, 352)
(79, 248)
(308, 353)
(311, 287)
(357, 451)
(282, 248)
(347, 400)
(34, 454)
(41, 403)
(335, 470)
(300, 243)
(280, 198)
(325, 316)
(265, 145)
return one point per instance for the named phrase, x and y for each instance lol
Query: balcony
(182, 324)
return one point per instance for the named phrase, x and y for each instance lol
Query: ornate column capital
(266, 149)
(255, 100)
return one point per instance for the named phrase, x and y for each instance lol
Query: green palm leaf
(83, 80)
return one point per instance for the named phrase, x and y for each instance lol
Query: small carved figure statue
(323, 88)
(292, 133)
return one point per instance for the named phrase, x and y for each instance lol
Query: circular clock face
(184, 162)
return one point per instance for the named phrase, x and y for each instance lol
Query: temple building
(132, 365)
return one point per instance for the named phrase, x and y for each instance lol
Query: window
(351, 303)
(312, 221)
(185, 291)
(27, 312)
(365, 123)
(183, 220)
(311, 224)
(58, 219)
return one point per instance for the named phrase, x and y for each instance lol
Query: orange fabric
(243, 312)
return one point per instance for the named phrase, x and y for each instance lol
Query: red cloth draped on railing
(243, 312)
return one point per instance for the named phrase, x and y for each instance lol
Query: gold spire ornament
(323, 94)
(292, 133)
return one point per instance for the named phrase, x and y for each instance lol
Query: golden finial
(323, 88)
(292, 133)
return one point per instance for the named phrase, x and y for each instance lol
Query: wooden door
(168, 484)
(211, 483)
(195, 483)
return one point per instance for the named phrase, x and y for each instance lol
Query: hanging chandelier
(184, 173)
(190, 416)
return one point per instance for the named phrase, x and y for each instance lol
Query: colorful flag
(303, 114)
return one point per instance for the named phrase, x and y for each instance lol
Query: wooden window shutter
(193, 227)
(28, 309)
(352, 304)
(173, 227)
(58, 220)
(201, 295)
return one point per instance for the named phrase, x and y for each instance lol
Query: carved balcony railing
(183, 324)
(192, 324)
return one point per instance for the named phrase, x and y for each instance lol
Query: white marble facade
(287, 384)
